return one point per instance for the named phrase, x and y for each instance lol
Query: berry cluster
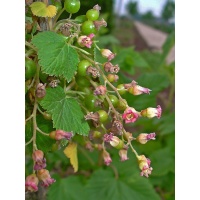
(105, 109)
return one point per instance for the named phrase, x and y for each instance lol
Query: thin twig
(43, 133)
(29, 141)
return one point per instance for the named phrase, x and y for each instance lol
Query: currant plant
(69, 93)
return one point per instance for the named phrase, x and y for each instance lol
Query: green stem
(43, 133)
(133, 150)
(81, 50)
(35, 111)
(40, 111)
(57, 16)
(103, 127)
(97, 46)
(32, 83)
(34, 125)
(30, 117)
(71, 85)
(29, 141)
(30, 45)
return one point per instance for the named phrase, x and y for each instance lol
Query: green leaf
(167, 124)
(43, 142)
(128, 59)
(162, 161)
(67, 188)
(56, 57)
(103, 185)
(66, 112)
(169, 43)
(154, 81)
(28, 135)
(28, 19)
(107, 40)
(142, 101)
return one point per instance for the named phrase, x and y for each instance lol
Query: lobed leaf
(66, 112)
(40, 9)
(67, 188)
(56, 57)
(108, 187)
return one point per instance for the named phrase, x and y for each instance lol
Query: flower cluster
(42, 174)
(32, 181)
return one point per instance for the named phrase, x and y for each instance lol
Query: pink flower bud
(143, 138)
(106, 53)
(86, 41)
(40, 161)
(31, 183)
(123, 155)
(60, 134)
(41, 90)
(106, 157)
(100, 90)
(144, 165)
(45, 177)
(89, 146)
(130, 115)
(114, 141)
(152, 112)
(137, 90)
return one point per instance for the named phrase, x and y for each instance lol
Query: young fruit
(121, 89)
(82, 81)
(114, 100)
(103, 116)
(82, 67)
(47, 116)
(72, 6)
(90, 102)
(30, 69)
(92, 14)
(88, 27)
(81, 18)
